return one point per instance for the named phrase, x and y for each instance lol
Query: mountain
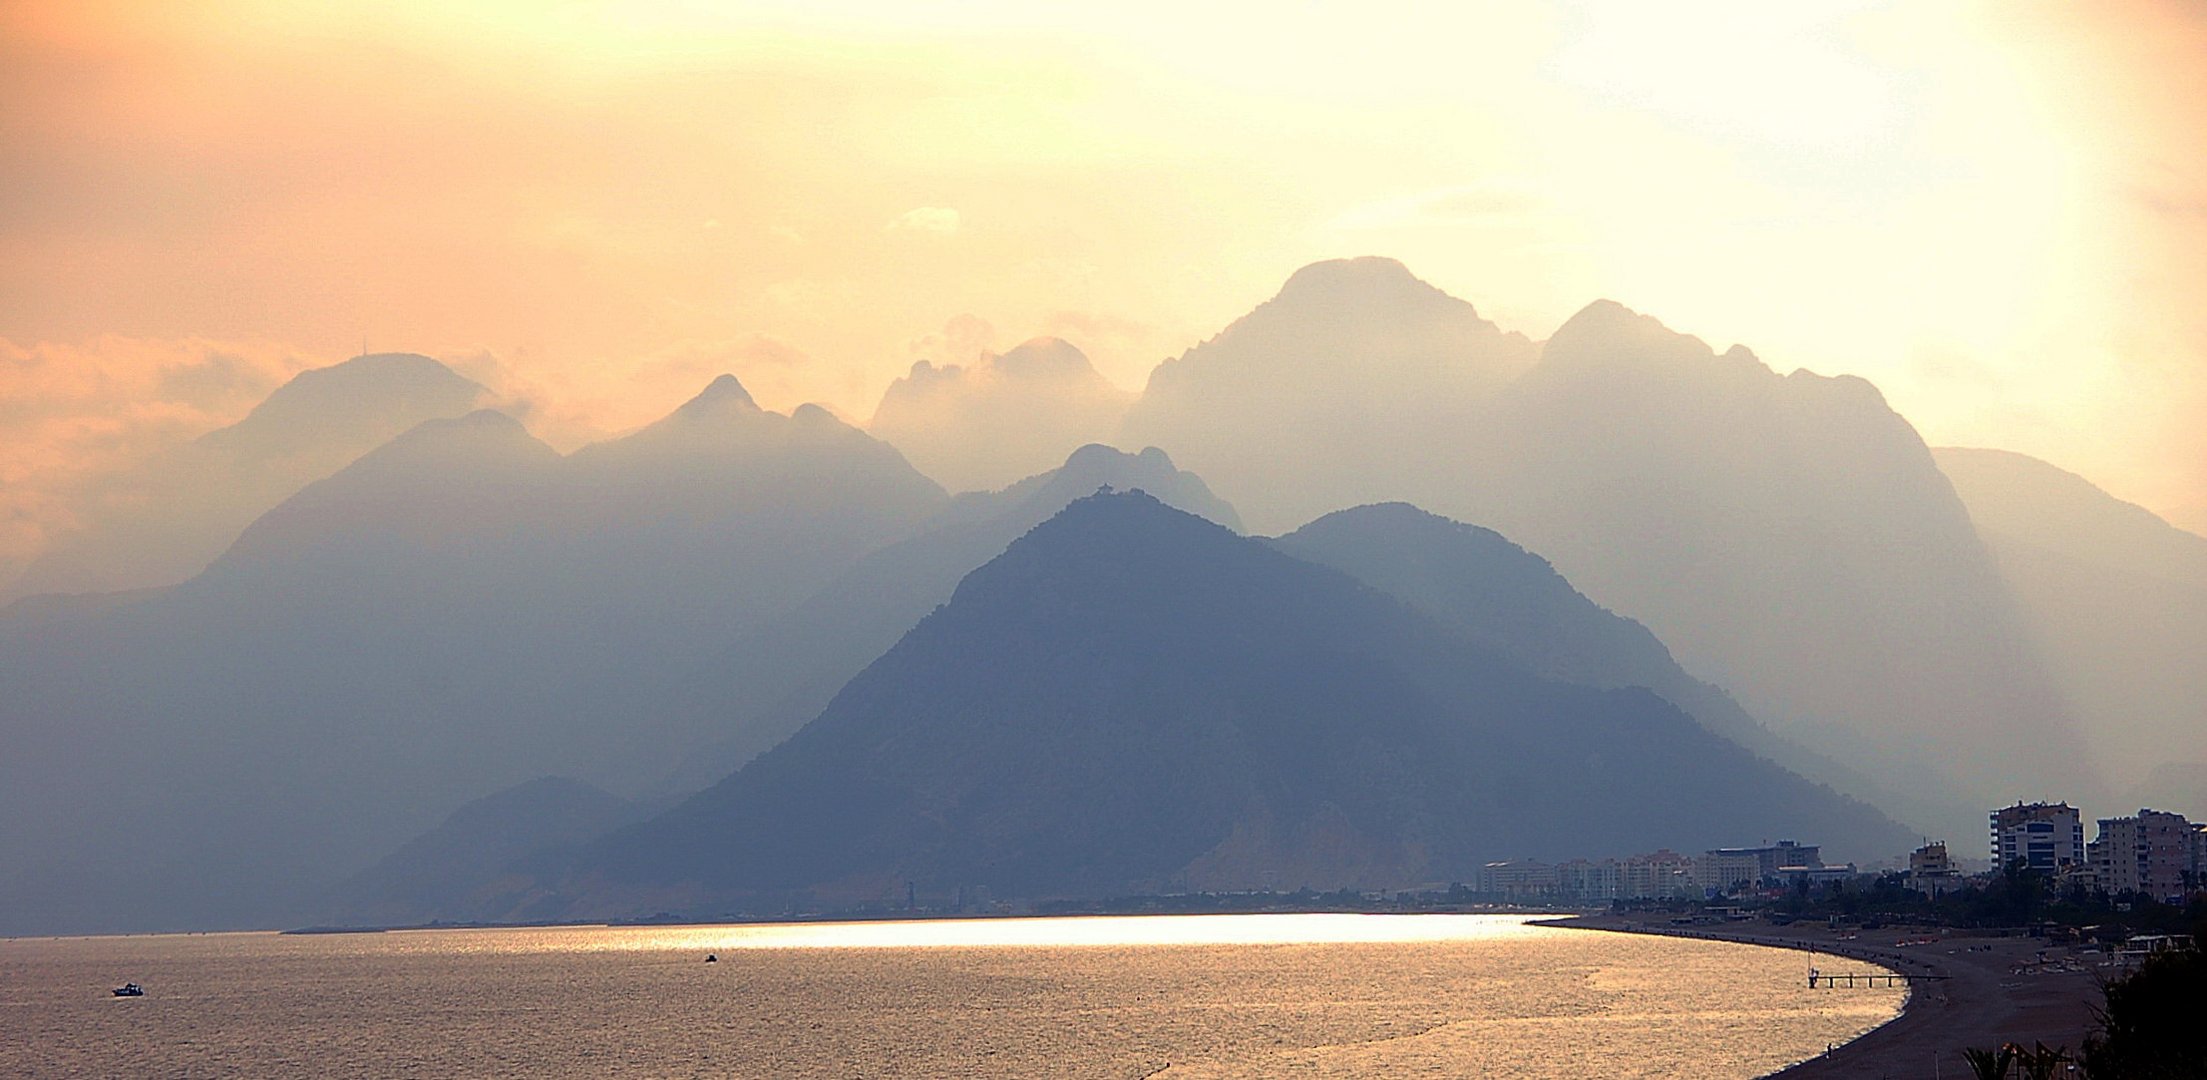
(458, 611)
(2116, 597)
(1791, 539)
(162, 527)
(978, 427)
(1511, 602)
(358, 403)
(767, 684)
(1351, 386)
(1788, 537)
(1130, 697)
(445, 489)
(458, 865)
(722, 511)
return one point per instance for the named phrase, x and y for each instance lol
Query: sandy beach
(1996, 990)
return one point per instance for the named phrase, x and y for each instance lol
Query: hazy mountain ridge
(1788, 537)
(456, 612)
(980, 426)
(1130, 696)
(1511, 602)
(1340, 381)
(462, 608)
(162, 527)
(454, 870)
(801, 659)
(2117, 597)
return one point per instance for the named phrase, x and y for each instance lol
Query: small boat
(711, 959)
(130, 990)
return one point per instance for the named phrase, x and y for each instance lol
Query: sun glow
(1989, 212)
(1116, 931)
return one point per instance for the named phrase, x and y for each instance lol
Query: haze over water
(1196, 996)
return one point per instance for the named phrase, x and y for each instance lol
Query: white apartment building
(2046, 836)
(1518, 879)
(2152, 852)
(1587, 879)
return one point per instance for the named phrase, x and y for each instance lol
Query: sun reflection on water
(1113, 931)
(1201, 997)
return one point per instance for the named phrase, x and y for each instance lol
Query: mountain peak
(722, 395)
(1608, 320)
(1132, 508)
(1364, 274)
(1129, 528)
(388, 362)
(1151, 473)
(352, 405)
(1093, 457)
(1606, 335)
(1044, 357)
(481, 438)
(817, 415)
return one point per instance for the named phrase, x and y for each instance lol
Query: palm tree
(1990, 1064)
(2042, 1062)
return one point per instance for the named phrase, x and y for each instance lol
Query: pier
(1852, 979)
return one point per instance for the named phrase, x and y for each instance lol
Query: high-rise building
(1663, 873)
(2151, 853)
(1931, 872)
(1588, 879)
(1723, 868)
(2046, 836)
(1518, 879)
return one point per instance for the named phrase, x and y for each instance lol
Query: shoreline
(1991, 989)
(1994, 990)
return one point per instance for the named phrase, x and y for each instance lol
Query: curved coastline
(1992, 990)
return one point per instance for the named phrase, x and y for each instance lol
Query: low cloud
(83, 423)
(964, 340)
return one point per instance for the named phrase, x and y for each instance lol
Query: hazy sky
(1996, 212)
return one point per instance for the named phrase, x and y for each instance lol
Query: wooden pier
(1862, 978)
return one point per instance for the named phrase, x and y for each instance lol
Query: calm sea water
(1173, 997)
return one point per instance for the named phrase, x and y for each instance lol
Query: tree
(2042, 1062)
(2149, 1028)
(1990, 1064)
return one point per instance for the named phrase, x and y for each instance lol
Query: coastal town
(2012, 962)
(2152, 855)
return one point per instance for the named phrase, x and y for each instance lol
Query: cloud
(83, 424)
(926, 219)
(1123, 349)
(966, 339)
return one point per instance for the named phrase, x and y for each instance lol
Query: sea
(1177, 997)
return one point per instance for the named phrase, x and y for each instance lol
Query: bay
(1178, 997)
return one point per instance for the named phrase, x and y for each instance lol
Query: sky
(1995, 212)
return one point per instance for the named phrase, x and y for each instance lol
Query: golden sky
(1996, 212)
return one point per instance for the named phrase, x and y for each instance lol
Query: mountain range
(1133, 698)
(457, 611)
(1789, 537)
(409, 604)
(165, 525)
